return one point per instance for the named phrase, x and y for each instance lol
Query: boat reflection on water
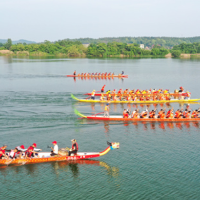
(146, 125)
(165, 125)
(59, 167)
(74, 166)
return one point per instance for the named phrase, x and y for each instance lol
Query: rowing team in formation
(31, 152)
(161, 114)
(97, 74)
(138, 95)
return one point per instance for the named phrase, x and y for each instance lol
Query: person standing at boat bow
(93, 95)
(54, 151)
(106, 110)
(74, 148)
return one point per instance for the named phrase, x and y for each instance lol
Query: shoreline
(61, 55)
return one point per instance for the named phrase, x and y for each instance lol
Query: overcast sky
(40, 20)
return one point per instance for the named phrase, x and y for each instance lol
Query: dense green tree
(73, 51)
(176, 53)
(8, 44)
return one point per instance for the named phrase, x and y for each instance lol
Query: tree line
(110, 49)
(65, 47)
(166, 42)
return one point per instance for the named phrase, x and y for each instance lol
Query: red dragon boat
(120, 118)
(111, 76)
(45, 156)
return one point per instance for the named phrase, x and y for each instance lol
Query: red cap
(35, 144)
(54, 142)
(22, 146)
(181, 87)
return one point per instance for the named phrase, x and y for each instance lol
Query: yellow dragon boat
(136, 102)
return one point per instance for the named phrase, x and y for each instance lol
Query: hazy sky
(40, 20)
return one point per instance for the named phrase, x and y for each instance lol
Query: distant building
(86, 45)
(147, 48)
(142, 46)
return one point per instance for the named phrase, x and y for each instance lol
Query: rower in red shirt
(125, 113)
(2, 151)
(30, 151)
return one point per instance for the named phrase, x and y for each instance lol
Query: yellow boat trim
(104, 152)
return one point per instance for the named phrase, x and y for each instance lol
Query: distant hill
(17, 41)
(167, 42)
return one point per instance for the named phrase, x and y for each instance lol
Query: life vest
(26, 152)
(125, 115)
(177, 114)
(151, 115)
(109, 97)
(162, 116)
(106, 108)
(3, 152)
(102, 97)
(75, 144)
(93, 93)
(160, 113)
(171, 116)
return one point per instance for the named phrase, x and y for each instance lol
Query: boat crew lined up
(97, 74)
(20, 152)
(142, 95)
(179, 114)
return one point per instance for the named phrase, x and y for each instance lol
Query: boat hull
(45, 157)
(120, 118)
(43, 160)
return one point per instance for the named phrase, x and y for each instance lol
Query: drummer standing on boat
(102, 89)
(93, 95)
(75, 73)
(106, 110)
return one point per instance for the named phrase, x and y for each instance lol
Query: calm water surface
(155, 160)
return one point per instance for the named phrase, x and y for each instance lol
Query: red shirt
(3, 152)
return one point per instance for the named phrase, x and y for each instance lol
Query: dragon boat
(120, 118)
(136, 102)
(44, 157)
(111, 76)
(141, 95)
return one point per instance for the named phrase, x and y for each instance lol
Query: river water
(155, 160)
